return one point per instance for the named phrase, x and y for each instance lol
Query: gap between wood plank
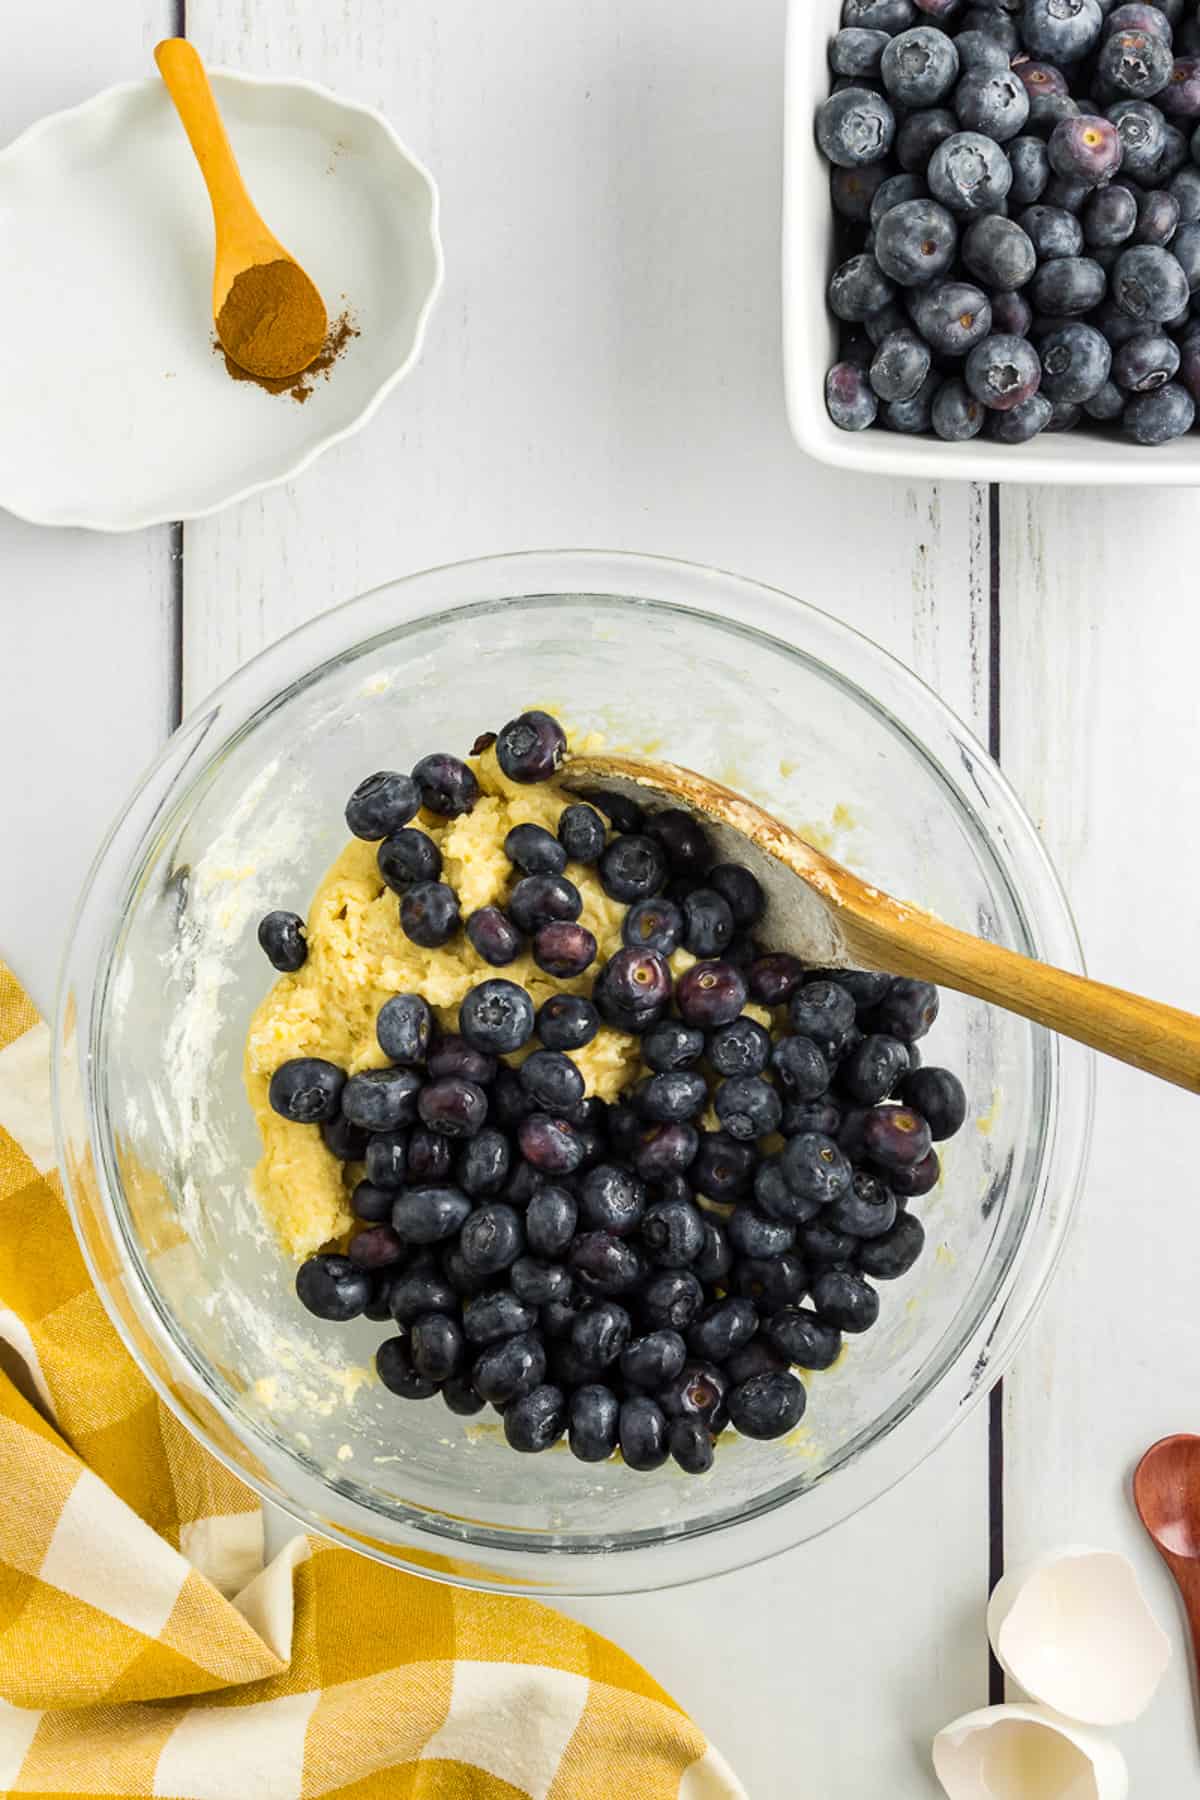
(996, 1397)
(175, 652)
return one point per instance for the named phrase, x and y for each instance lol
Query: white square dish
(1077, 458)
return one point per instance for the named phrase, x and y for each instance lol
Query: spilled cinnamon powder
(300, 387)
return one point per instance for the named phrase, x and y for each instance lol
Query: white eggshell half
(1075, 1632)
(1026, 1753)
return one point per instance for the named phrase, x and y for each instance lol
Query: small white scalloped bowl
(117, 412)
(1026, 1753)
(1074, 1630)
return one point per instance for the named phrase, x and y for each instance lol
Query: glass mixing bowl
(243, 812)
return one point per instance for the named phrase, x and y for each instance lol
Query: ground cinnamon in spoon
(300, 387)
(272, 322)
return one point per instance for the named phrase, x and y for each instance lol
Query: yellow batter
(358, 956)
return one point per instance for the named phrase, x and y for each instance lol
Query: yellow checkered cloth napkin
(145, 1651)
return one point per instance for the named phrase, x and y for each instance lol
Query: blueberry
(539, 900)
(1184, 189)
(1023, 422)
(879, 15)
(593, 1412)
(1157, 418)
(815, 1168)
(1139, 15)
(804, 1339)
(723, 1167)
(900, 366)
(1134, 64)
(669, 1301)
(1149, 285)
(382, 1099)
(1001, 31)
(823, 1248)
(1048, 110)
(622, 813)
(913, 416)
(1106, 403)
(404, 1027)
(563, 950)
(894, 192)
(854, 51)
(531, 747)
(550, 1221)
(373, 1202)
(992, 102)
(532, 849)
(683, 838)
(716, 1257)
(915, 242)
(653, 1360)
(454, 1106)
(895, 1137)
(675, 1096)
(642, 1431)
(767, 1406)
(656, 924)
(408, 859)
(540, 1284)
(770, 1281)
(957, 415)
(552, 1081)
(978, 49)
(1065, 415)
(696, 1393)
(748, 1107)
(333, 1287)
(437, 1346)
(1173, 156)
(461, 1397)
(605, 1264)
(496, 1017)
(345, 1141)
(870, 1073)
(740, 1048)
(281, 936)
(921, 1178)
(427, 1215)
(382, 804)
(463, 1278)
(429, 914)
(774, 979)
(919, 67)
(1031, 170)
(1041, 78)
(1003, 372)
(752, 1233)
(969, 173)
(582, 833)
(776, 1198)
(887, 1258)
(308, 1090)
(492, 1317)
(824, 1011)
(908, 1009)
(447, 786)
(855, 126)
(741, 892)
(450, 1054)
(484, 1164)
(509, 1369)
(1061, 31)
(722, 1327)
(492, 1238)
(1067, 286)
(600, 1333)
(710, 994)
(1181, 95)
(420, 1291)
(394, 1366)
(664, 1150)
(844, 1299)
(1185, 248)
(1087, 150)
(707, 923)
(821, 1114)
(1146, 362)
(536, 1420)
(611, 1200)
(1110, 217)
(1143, 133)
(952, 316)
(550, 1146)
(1052, 231)
(494, 936)
(633, 989)
(691, 1446)
(866, 1210)
(918, 138)
(849, 398)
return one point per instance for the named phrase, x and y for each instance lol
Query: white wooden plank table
(604, 370)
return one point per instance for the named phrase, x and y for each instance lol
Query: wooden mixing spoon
(833, 919)
(244, 244)
(1166, 1492)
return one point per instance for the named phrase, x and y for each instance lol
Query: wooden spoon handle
(1162, 1040)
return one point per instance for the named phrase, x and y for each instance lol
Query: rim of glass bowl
(962, 1366)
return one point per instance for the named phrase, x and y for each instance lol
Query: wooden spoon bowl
(832, 918)
(1166, 1492)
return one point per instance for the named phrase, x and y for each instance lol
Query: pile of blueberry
(618, 1272)
(1017, 191)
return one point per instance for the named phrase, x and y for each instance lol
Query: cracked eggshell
(1075, 1632)
(1026, 1753)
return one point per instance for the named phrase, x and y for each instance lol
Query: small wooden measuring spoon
(832, 918)
(243, 242)
(1166, 1492)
